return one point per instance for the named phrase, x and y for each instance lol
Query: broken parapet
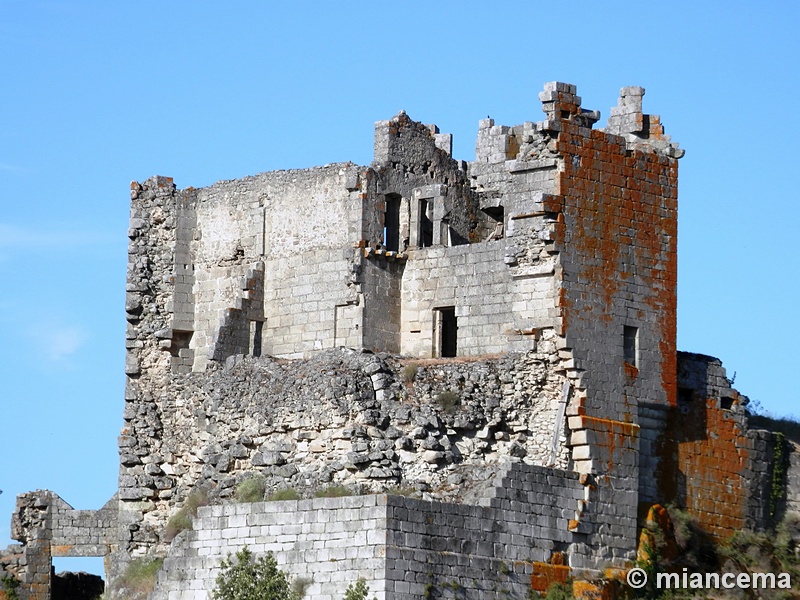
(640, 130)
(47, 526)
(559, 102)
(401, 138)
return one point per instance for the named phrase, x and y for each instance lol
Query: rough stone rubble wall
(407, 548)
(347, 418)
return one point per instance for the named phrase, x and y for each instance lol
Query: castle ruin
(484, 353)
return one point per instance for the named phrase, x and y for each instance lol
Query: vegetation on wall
(448, 401)
(758, 418)
(139, 578)
(357, 591)
(684, 545)
(182, 520)
(251, 490)
(780, 469)
(9, 585)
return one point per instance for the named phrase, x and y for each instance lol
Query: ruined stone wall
(414, 161)
(711, 464)
(47, 526)
(381, 279)
(300, 224)
(409, 548)
(617, 237)
(598, 210)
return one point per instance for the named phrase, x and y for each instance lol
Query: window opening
(685, 397)
(391, 223)
(447, 325)
(497, 216)
(630, 345)
(256, 328)
(726, 403)
(425, 223)
(455, 239)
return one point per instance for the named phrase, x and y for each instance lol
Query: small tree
(246, 578)
(357, 591)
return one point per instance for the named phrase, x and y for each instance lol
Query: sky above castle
(96, 94)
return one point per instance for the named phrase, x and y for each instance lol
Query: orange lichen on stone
(657, 537)
(589, 590)
(544, 575)
(716, 491)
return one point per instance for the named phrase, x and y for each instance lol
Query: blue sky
(96, 94)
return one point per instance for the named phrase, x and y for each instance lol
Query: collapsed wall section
(347, 418)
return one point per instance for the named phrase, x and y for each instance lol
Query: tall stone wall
(617, 239)
(300, 225)
(793, 480)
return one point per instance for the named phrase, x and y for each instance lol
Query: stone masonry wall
(793, 480)
(407, 548)
(498, 308)
(300, 224)
(617, 236)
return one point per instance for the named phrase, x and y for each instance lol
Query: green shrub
(448, 401)
(9, 585)
(247, 578)
(410, 372)
(182, 520)
(333, 491)
(357, 591)
(559, 591)
(139, 577)
(251, 490)
(284, 494)
(787, 537)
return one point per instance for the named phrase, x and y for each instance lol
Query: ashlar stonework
(483, 353)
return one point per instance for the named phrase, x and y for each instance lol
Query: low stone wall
(408, 548)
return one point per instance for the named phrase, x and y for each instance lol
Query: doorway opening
(446, 336)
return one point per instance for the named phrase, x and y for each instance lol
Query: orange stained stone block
(544, 575)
